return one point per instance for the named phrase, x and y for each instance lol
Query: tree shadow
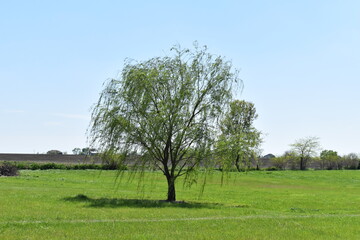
(136, 203)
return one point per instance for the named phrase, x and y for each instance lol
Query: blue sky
(299, 61)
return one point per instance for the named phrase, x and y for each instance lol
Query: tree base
(172, 201)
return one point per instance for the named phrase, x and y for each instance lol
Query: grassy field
(87, 204)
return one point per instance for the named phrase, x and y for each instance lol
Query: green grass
(88, 204)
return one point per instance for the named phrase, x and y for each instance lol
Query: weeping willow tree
(165, 109)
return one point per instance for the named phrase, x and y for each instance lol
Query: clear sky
(299, 60)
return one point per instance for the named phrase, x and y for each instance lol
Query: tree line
(305, 152)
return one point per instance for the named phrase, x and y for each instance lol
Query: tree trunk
(237, 163)
(171, 196)
(302, 163)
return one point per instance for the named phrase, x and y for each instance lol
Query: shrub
(34, 166)
(8, 169)
(46, 166)
(85, 166)
(272, 169)
(279, 162)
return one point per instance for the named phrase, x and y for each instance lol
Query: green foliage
(48, 166)
(238, 144)
(165, 109)
(329, 159)
(54, 152)
(113, 160)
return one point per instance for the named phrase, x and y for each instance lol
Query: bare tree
(306, 148)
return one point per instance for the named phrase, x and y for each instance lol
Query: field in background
(49, 158)
(88, 204)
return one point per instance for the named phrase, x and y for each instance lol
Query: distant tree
(54, 152)
(76, 151)
(88, 151)
(269, 156)
(305, 148)
(257, 159)
(84, 151)
(291, 159)
(279, 162)
(166, 110)
(288, 160)
(330, 159)
(351, 161)
(239, 141)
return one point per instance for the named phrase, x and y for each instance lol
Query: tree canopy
(54, 152)
(239, 140)
(329, 159)
(84, 151)
(166, 109)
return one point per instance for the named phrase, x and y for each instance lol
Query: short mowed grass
(90, 204)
